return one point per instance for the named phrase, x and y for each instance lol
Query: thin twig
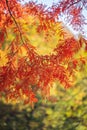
(14, 21)
(73, 3)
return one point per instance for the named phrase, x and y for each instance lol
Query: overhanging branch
(14, 20)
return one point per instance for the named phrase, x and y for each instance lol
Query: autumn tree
(25, 69)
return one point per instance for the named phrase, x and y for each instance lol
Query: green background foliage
(68, 112)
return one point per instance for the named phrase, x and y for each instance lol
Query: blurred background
(65, 110)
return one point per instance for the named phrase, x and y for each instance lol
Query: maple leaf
(24, 69)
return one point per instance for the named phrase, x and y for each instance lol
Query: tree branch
(73, 3)
(14, 20)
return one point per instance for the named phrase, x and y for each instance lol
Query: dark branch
(14, 21)
(73, 3)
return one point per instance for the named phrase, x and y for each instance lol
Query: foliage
(25, 71)
(68, 113)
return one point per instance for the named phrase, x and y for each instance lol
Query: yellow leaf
(3, 58)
